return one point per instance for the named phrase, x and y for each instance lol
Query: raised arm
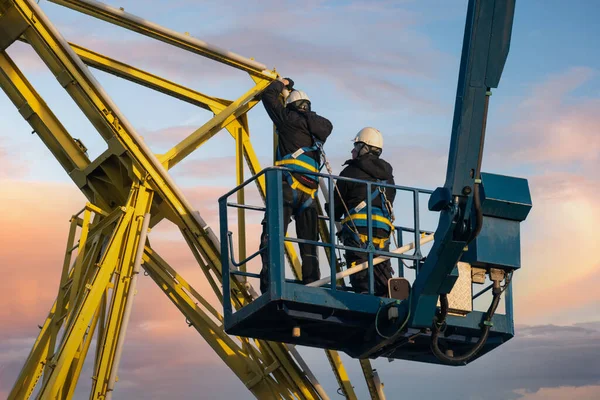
(319, 127)
(272, 103)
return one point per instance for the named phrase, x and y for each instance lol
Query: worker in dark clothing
(350, 206)
(300, 133)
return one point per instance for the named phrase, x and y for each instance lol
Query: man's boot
(264, 280)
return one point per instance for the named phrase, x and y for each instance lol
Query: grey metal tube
(319, 389)
(193, 42)
(128, 306)
(378, 385)
(365, 265)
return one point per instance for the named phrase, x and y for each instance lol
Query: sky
(388, 64)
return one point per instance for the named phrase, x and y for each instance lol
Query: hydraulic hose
(477, 176)
(485, 330)
(478, 210)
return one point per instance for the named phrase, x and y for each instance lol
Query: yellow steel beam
(296, 378)
(62, 298)
(105, 116)
(241, 196)
(276, 351)
(375, 388)
(340, 374)
(65, 387)
(237, 128)
(149, 80)
(214, 335)
(78, 274)
(255, 168)
(121, 18)
(77, 365)
(178, 91)
(216, 105)
(250, 155)
(206, 268)
(168, 270)
(120, 289)
(32, 370)
(35, 111)
(101, 328)
(75, 333)
(214, 125)
(70, 289)
(12, 25)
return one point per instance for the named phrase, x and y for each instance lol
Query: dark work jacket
(295, 129)
(369, 168)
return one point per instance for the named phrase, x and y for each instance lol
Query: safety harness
(300, 162)
(381, 217)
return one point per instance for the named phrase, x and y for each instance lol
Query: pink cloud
(369, 72)
(10, 166)
(591, 392)
(33, 238)
(208, 167)
(368, 76)
(26, 58)
(552, 125)
(559, 248)
(552, 132)
(170, 135)
(31, 255)
(575, 293)
(559, 238)
(564, 185)
(155, 321)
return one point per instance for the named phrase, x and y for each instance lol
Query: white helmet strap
(362, 148)
(302, 104)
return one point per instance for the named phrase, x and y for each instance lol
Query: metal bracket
(12, 25)
(26, 111)
(64, 78)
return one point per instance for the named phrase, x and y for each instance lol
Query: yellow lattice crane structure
(129, 191)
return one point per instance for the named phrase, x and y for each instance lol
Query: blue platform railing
(274, 221)
(331, 306)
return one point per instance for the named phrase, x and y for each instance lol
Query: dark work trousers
(381, 272)
(306, 228)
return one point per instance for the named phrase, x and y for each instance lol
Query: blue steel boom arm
(485, 49)
(324, 314)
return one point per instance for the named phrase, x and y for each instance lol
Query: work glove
(290, 85)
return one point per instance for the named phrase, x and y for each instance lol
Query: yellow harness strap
(373, 217)
(296, 185)
(299, 163)
(380, 242)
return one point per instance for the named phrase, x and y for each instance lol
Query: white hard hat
(369, 136)
(295, 96)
